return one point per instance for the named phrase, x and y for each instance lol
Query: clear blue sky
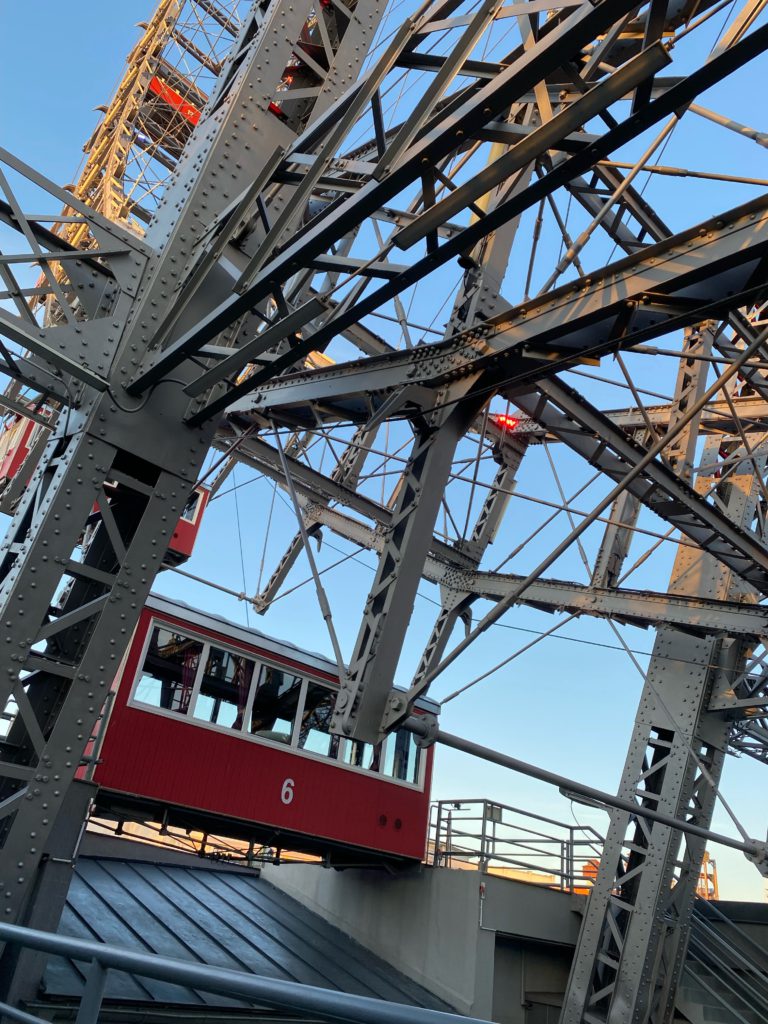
(569, 703)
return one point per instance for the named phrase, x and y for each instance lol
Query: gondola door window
(275, 704)
(402, 758)
(363, 755)
(192, 507)
(169, 672)
(224, 688)
(315, 728)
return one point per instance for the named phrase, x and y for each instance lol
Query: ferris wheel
(472, 294)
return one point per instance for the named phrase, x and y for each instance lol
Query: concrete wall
(491, 947)
(529, 981)
(440, 928)
(425, 924)
(530, 911)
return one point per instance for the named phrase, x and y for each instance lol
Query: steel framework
(338, 157)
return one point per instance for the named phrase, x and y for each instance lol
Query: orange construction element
(707, 887)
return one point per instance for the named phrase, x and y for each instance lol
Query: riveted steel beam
(449, 568)
(69, 617)
(672, 284)
(637, 915)
(582, 427)
(559, 44)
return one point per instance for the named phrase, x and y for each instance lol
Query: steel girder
(73, 588)
(696, 615)
(684, 280)
(716, 418)
(640, 905)
(363, 707)
(455, 571)
(366, 705)
(260, 277)
(565, 413)
(367, 199)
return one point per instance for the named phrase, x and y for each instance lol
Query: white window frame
(198, 507)
(307, 677)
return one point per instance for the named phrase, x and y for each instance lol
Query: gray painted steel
(152, 307)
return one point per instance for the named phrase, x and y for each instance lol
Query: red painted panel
(173, 99)
(15, 446)
(184, 536)
(179, 762)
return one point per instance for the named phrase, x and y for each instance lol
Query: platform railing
(728, 964)
(307, 1000)
(500, 839)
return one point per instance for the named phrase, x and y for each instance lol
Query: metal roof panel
(215, 916)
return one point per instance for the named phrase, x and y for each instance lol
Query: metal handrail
(525, 866)
(482, 830)
(309, 1000)
(743, 938)
(716, 995)
(568, 874)
(516, 810)
(726, 952)
(745, 980)
(732, 981)
(727, 949)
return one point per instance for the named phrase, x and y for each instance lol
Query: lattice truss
(145, 127)
(129, 157)
(406, 259)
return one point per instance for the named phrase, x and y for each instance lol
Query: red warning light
(504, 421)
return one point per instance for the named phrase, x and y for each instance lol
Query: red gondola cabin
(223, 726)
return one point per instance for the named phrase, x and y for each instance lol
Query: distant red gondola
(188, 527)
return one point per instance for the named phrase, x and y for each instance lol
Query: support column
(91, 531)
(366, 695)
(632, 941)
(78, 562)
(21, 983)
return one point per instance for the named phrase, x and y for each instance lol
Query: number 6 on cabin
(286, 793)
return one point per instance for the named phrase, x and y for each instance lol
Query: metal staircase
(725, 979)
